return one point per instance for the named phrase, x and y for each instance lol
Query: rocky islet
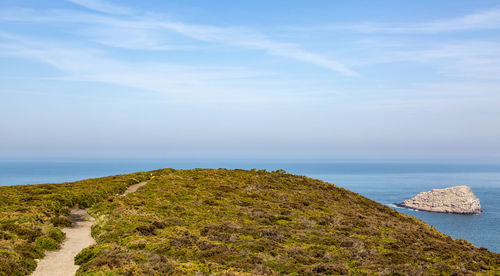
(457, 199)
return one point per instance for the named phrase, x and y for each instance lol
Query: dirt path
(133, 188)
(62, 261)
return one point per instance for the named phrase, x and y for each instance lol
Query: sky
(250, 79)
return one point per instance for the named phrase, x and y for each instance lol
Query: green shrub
(6, 236)
(28, 232)
(11, 261)
(56, 234)
(61, 221)
(29, 250)
(46, 243)
(85, 200)
(86, 255)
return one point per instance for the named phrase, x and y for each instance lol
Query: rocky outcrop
(458, 199)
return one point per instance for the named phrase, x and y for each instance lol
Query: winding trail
(78, 237)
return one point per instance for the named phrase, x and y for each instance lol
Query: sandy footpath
(133, 188)
(61, 262)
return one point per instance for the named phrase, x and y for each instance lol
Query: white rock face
(457, 199)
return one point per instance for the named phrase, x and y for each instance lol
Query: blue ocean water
(387, 183)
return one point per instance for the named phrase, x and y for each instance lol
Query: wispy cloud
(102, 6)
(482, 20)
(154, 28)
(253, 40)
(84, 64)
(183, 84)
(478, 60)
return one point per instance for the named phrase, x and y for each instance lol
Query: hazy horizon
(298, 80)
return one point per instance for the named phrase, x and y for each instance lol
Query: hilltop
(228, 221)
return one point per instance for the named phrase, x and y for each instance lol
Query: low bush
(46, 243)
(61, 221)
(56, 234)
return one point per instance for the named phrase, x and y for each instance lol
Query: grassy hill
(230, 221)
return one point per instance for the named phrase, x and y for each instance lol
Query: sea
(385, 182)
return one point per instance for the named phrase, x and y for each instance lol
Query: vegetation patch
(56, 234)
(237, 222)
(31, 215)
(228, 222)
(46, 243)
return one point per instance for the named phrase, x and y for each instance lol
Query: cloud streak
(483, 20)
(470, 59)
(154, 28)
(102, 6)
(253, 40)
(181, 84)
(85, 64)
(239, 37)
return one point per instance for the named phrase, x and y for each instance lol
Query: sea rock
(457, 199)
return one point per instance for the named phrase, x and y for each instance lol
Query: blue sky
(271, 79)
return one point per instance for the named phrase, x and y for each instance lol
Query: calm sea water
(387, 183)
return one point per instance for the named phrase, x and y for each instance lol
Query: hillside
(31, 215)
(229, 221)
